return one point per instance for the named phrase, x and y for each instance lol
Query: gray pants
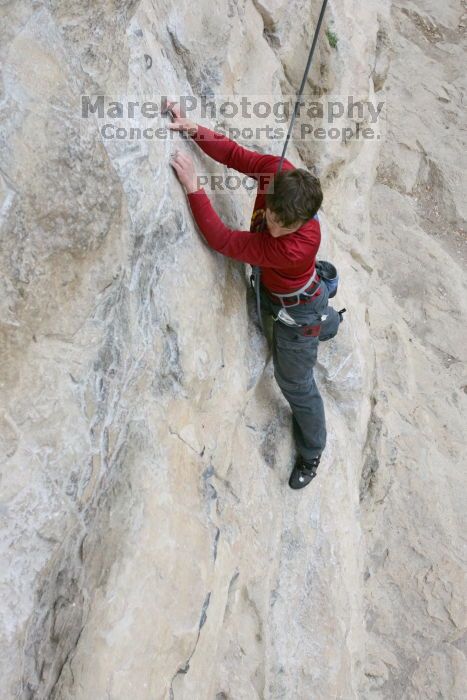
(294, 356)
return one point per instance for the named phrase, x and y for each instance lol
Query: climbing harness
(309, 289)
(255, 278)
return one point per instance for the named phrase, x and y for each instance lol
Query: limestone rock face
(150, 545)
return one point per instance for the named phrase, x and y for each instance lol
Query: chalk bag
(328, 274)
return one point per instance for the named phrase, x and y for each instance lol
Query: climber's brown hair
(293, 196)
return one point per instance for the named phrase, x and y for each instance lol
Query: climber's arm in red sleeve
(225, 150)
(231, 154)
(252, 248)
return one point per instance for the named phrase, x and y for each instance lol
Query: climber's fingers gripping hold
(180, 122)
(185, 169)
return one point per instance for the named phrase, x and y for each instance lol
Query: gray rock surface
(150, 545)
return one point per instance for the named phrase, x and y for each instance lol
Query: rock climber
(283, 241)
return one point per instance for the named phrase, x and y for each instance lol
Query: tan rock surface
(150, 545)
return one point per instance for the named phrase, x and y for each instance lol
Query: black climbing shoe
(303, 472)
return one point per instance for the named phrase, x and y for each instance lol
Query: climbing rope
(256, 270)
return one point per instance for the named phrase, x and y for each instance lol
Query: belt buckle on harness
(313, 289)
(297, 303)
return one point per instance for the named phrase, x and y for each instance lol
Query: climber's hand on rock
(185, 169)
(180, 122)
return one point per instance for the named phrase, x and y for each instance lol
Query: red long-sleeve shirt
(286, 262)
